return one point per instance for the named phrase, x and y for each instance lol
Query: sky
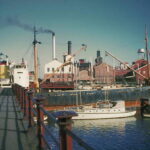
(117, 26)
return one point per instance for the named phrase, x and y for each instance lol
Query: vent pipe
(69, 47)
(53, 46)
(98, 53)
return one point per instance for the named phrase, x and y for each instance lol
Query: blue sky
(114, 25)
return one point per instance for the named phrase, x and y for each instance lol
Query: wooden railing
(33, 110)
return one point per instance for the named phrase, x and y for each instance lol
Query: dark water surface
(114, 134)
(110, 134)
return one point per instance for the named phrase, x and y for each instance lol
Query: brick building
(102, 72)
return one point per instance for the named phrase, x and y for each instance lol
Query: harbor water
(115, 134)
(112, 134)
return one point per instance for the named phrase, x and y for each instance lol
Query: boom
(107, 53)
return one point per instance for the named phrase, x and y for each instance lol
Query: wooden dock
(14, 133)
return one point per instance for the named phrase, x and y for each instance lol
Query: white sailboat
(107, 110)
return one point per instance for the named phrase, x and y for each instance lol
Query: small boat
(146, 115)
(146, 112)
(145, 109)
(103, 110)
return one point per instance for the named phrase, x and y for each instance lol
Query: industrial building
(103, 73)
(59, 75)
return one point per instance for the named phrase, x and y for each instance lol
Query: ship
(19, 74)
(4, 70)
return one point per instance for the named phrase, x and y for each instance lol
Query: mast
(147, 51)
(36, 71)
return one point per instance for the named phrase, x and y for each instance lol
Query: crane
(107, 53)
(67, 62)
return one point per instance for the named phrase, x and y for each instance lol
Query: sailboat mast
(147, 51)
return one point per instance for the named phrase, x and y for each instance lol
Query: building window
(62, 69)
(53, 69)
(48, 69)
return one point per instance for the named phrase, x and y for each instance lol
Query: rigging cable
(28, 49)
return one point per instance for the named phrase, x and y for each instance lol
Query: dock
(14, 133)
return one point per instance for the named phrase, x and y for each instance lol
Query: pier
(22, 124)
(14, 133)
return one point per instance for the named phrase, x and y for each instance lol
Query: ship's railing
(33, 110)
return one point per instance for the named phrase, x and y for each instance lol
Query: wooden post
(22, 98)
(65, 122)
(30, 114)
(40, 118)
(25, 102)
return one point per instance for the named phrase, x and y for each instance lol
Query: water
(110, 134)
(114, 134)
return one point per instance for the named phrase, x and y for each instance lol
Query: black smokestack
(69, 47)
(98, 53)
(64, 58)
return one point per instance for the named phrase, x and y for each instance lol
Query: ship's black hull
(85, 97)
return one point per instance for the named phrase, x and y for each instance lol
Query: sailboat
(103, 110)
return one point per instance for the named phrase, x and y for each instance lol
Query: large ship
(4, 70)
(20, 74)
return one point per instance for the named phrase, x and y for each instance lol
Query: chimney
(64, 58)
(98, 53)
(53, 46)
(69, 47)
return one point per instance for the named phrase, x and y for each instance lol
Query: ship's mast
(147, 51)
(36, 83)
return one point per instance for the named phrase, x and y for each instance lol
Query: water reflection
(108, 134)
(118, 123)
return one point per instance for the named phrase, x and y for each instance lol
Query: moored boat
(103, 110)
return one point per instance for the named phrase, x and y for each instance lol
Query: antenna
(147, 51)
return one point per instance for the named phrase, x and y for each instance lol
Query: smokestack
(98, 53)
(69, 47)
(53, 45)
(64, 58)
